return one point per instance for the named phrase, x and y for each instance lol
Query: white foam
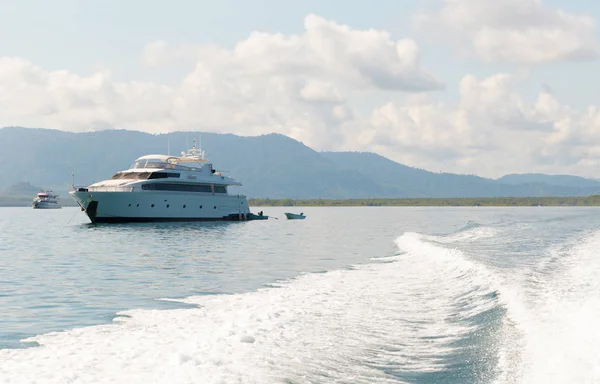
(469, 235)
(556, 310)
(352, 325)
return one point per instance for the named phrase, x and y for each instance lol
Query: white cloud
(31, 96)
(315, 87)
(326, 50)
(515, 31)
(491, 131)
(319, 91)
(292, 84)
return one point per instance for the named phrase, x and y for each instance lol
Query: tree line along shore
(433, 202)
(20, 201)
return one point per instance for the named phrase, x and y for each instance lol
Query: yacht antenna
(168, 145)
(73, 179)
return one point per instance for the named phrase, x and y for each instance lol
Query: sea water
(349, 295)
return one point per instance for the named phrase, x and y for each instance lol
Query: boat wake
(430, 313)
(554, 308)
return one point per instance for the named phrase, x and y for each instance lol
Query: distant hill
(403, 181)
(21, 189)
(272, 165)
(557, 180)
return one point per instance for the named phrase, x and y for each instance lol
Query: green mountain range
(272, 165)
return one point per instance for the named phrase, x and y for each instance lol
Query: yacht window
(138, 164)
(150, 163)
(176, 187)
(131, 175)
(163, 175)
(122, 175)
(156, 164)
(220, 189)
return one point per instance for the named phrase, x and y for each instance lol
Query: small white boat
(46, 200)
(295, 216)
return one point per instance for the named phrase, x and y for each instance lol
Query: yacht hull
(44, 205)
(147, 206)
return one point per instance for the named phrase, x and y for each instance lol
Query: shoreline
(584, 201)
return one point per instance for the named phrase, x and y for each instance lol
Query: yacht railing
(114, 189)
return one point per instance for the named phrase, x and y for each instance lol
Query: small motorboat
(295, 216)
(260, 216)
(245, 216)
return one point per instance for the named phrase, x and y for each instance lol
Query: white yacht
(164, 188)
(46, 200)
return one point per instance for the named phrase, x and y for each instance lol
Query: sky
(464, 86)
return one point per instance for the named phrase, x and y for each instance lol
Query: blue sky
(95, 53)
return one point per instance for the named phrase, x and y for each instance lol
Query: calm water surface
(348, 295)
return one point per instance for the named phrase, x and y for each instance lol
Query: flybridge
(194, 153)
(194, 159)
